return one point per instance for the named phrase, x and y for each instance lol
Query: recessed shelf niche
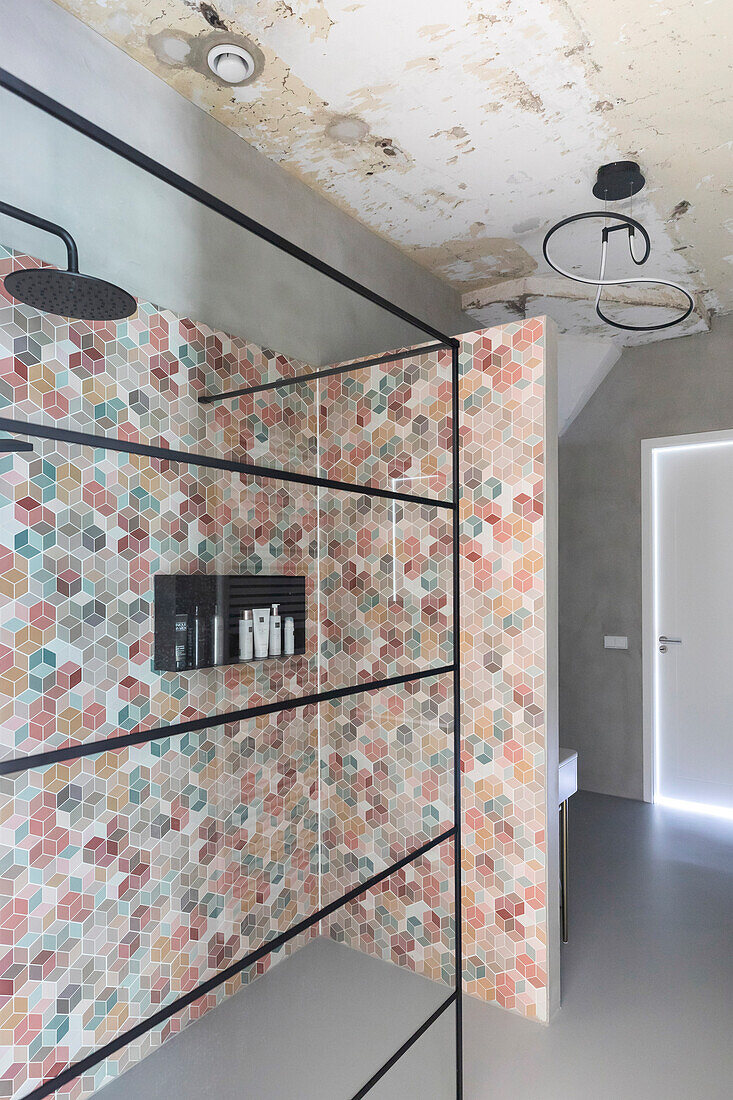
(178, 596)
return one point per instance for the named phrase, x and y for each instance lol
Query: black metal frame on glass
(77, 122)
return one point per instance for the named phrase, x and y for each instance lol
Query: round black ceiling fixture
(621, 179)
(618, 180)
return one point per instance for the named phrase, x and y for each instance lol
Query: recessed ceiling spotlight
(347, 129)
(232, 64)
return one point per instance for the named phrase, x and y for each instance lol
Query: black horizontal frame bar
(159, 733)
(383, 1070)
(128, 152)
(7, 446)
(111, 443)
(76, 1069)
(327, 372)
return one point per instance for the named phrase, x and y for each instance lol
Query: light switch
(615, 641)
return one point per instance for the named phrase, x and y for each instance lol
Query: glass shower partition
(173, 830)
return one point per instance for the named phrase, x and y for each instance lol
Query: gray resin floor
(315, 1027)
(647, 995)
(647, 976)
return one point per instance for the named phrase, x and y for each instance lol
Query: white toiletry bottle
(289, 635)
(275, 631)
(261, 617)
(246, 636)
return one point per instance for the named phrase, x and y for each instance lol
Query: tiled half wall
(507, 664)
(130, 877)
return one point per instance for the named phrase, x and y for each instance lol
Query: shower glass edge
(296, 321)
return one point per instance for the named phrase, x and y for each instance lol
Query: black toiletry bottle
(181, 641)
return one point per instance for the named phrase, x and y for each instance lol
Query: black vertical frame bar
(457, 770)
(456, 998)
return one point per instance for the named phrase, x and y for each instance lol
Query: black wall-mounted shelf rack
(181, 594)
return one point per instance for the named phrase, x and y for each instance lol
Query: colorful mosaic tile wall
(84, 531)
(387, 784)
(132, 876)
(504, 661)
(408, 919)
(503, 690)
(389, 426)
(387, 778)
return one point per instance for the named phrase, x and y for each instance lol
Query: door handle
(664, 641)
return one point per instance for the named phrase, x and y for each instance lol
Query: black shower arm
(49, 227)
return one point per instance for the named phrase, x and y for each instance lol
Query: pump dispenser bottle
(275, 631)
(261, 617)
(246, 636)
(181, 639)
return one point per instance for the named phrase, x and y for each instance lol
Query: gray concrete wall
(178, 256)
(674, 387)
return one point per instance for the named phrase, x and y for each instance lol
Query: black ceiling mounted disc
(69, 294)
(619, 180)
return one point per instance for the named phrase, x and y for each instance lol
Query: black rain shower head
(70, 294)
(65, 293)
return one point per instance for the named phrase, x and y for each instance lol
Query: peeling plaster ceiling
(477, 125)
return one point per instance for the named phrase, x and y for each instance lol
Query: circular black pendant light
(620, 180)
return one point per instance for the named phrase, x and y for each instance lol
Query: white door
(692, 531)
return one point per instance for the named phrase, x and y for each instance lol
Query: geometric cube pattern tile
(408, 919)
(135, 1051)
(503, 666)
(82, 534)
(389, 426)
(387, 781)
(386, 576)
